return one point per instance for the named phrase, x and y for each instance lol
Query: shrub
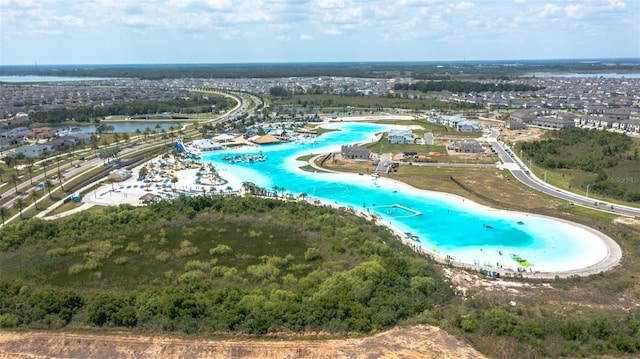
(9, 321)
(468, 325)
(187, 251)
(75, 269)
(163, 256)
(121, 260)
(220, 249)
(312, 254)
(196, 264)
(54, 252)
(133, 247)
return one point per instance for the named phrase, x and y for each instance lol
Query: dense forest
(194, 104)
(613, 157)
(462, 86)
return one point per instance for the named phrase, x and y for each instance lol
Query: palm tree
(174, 180)
(45, 153)
(34, 197)
(8, 161)
(18, 157)
(248, 187)
(1, 173)
(4, 212)
(14, 179)
(44, 167)
(20, 203)
(48, 185)
(138, 133)
(60, 179)
(30, 168)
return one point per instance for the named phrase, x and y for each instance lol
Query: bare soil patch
(413, 342)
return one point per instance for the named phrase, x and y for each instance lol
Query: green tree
(20, 203)
(4, 212)
(15, 180)
(34, 197)
(48, 184)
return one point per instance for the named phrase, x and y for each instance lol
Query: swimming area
(447, 224)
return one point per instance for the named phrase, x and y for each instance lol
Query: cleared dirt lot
(413, 342)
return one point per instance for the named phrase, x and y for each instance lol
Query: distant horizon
(318, 31)
(618, 60)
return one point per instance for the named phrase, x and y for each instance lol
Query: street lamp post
(588, 189)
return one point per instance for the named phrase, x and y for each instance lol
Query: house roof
(263, 140)
(224, 137)
(149, 197)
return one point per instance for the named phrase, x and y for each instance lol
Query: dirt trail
(413, 342)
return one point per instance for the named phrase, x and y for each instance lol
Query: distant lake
(608, 75)
(32, 78)
(122, 127)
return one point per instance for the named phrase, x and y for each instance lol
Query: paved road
(522, 173)
(26, 185)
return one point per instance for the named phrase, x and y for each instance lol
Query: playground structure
(182, 149)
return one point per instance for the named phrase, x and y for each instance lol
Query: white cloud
(462, 5)
(400, 24)
(615, 5)
(575, 11)
(550, 10)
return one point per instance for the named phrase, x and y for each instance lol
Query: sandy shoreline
(131, 190)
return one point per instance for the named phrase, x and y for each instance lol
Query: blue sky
(249, 31)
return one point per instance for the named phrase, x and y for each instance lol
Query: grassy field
(486, 183)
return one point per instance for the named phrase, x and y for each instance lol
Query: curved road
(524, 175)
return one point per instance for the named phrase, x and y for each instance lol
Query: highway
(524, 175)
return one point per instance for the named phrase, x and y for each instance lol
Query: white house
(468, 126)
(401, 137)
(33, 151)
(206, 145)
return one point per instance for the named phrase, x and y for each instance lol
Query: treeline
(599, 152)
(542, 332)
(192, 105)
(418, 70)
(266, 266)
(588, 150)
(462, 86)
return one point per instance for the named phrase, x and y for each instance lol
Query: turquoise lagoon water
(447, 225)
